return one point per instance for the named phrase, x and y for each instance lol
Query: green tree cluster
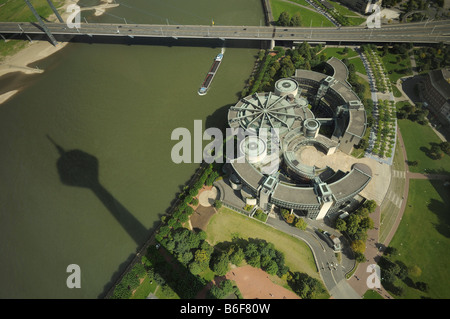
(223, 289)
(293, 220)
(282, 64)
(305, 286)
(285, 20)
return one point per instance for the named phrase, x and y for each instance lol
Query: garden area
(416, 263)
(396, 60)
(228, 228)
(382, 84)
(386, 129)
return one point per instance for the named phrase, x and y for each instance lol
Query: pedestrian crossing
(395, 199)
(398, 174)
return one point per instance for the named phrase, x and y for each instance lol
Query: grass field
(338, 53)
(307, 16)
(417, 139)
(423, 238)
(395, 69)
(372, 294)
(359, 66)
(353, 18)
(226, 224)
(17, 10)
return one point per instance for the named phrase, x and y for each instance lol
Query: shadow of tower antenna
(80, 169)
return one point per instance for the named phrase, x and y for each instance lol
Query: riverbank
(21, 60)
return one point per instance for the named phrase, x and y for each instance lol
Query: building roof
(248, 174)
(340, 70)
(351, 183)
(310, 75)
(295, 195)
(357, 122)
(440, 81)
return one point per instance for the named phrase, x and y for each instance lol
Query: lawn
(307, 16)
(144, 289)
(338, 53)
(227, 224)
(395, 69)
(353, 18)
(359, 66)
(18, 10)
(372, 294)
(417, 139)
(423, 238)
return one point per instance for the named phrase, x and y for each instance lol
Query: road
(332, 276)
(425, 32)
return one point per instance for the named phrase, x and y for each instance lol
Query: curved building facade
(291, 111)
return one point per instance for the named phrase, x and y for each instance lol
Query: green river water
(117, 105)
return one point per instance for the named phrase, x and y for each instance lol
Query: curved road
(333, 277)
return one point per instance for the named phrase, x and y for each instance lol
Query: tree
(121, 291)
(341, 225)
(284, 19)
(237, 256)
(390, 251)
(296, 20)
(422, 286)
(221, 264)
(271, 268)
(371, 205)
(445, 147)
(305, 286)
(195, 268)
(352, 224)
(366, 223)
(360, 257)
(301, 224)
(202, 257)
(185, 257)
(217, 204)
(358, 246)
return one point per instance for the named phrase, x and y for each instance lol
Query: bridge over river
(418, 33)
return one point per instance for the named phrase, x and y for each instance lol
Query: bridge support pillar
(41, 23)
(272, 44)
(50, 3)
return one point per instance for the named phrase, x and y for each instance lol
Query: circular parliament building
(310, 113)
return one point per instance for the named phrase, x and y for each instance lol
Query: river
(116, 106)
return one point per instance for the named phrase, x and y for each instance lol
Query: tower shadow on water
(80, 169)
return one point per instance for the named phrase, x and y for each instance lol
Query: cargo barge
(210, 76)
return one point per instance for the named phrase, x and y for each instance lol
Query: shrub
(360, 257)
(422, 286)
(217, 204)
(301, 224)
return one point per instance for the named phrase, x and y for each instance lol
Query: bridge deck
(429, 32)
